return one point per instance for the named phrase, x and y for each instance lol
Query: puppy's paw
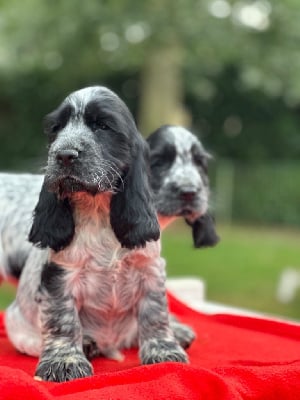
(90, 348)
(62, 368)
(162, 350)
(184, 334)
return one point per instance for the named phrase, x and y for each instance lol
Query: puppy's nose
(66, 157)
(187, 194)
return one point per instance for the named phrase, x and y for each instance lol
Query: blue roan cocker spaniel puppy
(96, 282)
(179, 178)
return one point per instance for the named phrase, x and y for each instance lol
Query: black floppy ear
(53, 224)
(132, 213)
(204, 233)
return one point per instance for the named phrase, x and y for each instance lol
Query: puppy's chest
(106, 291)
(94, 245)
(99, 275)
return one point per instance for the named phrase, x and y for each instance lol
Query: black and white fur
(18, 195)
(179, 179)
(97, 281)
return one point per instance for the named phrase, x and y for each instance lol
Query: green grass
(242, 270)
(7, 293)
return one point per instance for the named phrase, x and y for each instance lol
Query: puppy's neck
(85, 204)
(165, 220)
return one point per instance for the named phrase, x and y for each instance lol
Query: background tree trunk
(161, 90)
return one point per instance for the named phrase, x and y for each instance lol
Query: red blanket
(233, 358)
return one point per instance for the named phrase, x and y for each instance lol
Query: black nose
(187, 194)
(66, 157)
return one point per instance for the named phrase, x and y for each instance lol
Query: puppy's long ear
(53, 224)
(132, 213)
(204, 232)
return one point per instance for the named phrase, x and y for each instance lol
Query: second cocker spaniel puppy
(179, 178)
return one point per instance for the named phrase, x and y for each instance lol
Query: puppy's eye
(198, 159)
(55, 128)
(99, 125)
(52, 130)
(158, 162)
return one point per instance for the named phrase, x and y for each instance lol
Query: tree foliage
(239, 64)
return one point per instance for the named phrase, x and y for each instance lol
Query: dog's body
(98, 283)
(179, 179)
(103, 281)
(18, 195)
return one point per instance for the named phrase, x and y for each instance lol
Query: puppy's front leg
(62, 358)
(156, 339)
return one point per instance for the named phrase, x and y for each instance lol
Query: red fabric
(233, 358)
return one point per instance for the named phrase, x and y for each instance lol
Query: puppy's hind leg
(21, 333)
(183, 333)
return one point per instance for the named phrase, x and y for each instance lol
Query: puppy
(97, 277)
(179, 179)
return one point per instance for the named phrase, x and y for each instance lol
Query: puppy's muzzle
(64, 173)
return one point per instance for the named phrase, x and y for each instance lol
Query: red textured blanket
(233, 358)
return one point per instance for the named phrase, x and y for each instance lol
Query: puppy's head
(179, 178)
(94, 147)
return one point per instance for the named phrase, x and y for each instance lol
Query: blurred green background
(227, 69)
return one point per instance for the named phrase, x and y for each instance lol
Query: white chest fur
(106, 280)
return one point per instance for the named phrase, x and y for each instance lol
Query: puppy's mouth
(185, 212)
(182, 209)
(66, 185)
(188, 210)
